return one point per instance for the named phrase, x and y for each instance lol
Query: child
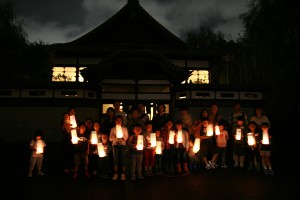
(104, 162)
(221, 143)
(158, 155)
(136, 154)
(37, 146)
(119, 147)
(253, 156)
(169, 149)
(93, 154)
(265, 149)
(207, 147)
(182, 147)
(149, 151)
(239, 134)
(81, 150)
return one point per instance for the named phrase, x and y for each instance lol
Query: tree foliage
(20, 60)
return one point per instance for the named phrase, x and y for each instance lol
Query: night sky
(57, 21)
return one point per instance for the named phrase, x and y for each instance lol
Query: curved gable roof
(131, 26)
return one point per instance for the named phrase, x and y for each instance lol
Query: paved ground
(230, 183)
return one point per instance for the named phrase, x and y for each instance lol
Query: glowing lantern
(217, 130)
(94, 138)
(73, 121)
(119, 131)
(39, 146)
(101, 150)
(196, 146)
(153, 139)
(171, 137)
(140, 142)
(158, 149)
(251, 140)
(238, 134)
(210, 130)
(179, 136)
(265, 138)
(74, 136)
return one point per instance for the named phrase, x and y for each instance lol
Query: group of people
(161, 145)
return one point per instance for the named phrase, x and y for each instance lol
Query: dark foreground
(230, 183)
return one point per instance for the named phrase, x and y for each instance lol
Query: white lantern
(196, 146)
(74, 136)
(179, 136)
(101, 151)
(238, 134)
(39, 147)
(251, 140)
(158, 149)
(210, 130)
(265, 138)
(140, 142)
(171, 137)
(153, 139)
(94, 138)
(73, 121)
(119, 131)
(217, 129)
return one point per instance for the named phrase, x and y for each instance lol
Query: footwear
(29, 175)
(271, 172)
(236, 164)
(123, 177)
(133, 178)
(115, 177)
(208, 166)
(266, 171)
(212, 164)
(224, 166)
(140, 177)
(40, 174)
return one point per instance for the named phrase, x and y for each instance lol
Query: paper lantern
(158, 149)
(179, 136)
(119, 131)
(94, 138)
(101, 150)
(217, 130)
(210, 130)
(39, 147)
(73, 121)
(251, 140)
(171, 137)
(238, 134)
(196, 146)
(265, 138)
(153, 139)
(140, 142)
(74, 136)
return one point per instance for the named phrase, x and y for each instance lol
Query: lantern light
(73, 121)
(74, 136)
(265, 138)
(238, 134)
(94, 139)
(140, 142)
(210, 130)
(196, 146)
(119, 131)
(251, 140)
(171, 137)
(158, 149)
(39, 147)
(101, 151)
(179, 136)
(217, 129)
(153, 139)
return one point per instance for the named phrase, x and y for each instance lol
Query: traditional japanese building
(129, 58)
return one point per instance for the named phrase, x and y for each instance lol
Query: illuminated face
(148, 127)
(119, 121)
(252, 127)
(96, 126)
(157, 133)
(82, 129)
(137, 130)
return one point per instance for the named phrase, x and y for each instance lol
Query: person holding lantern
(119, 136)
(37, 145)
(169, 154)
(221, 142)
(266, 148)
(239, 144)
(81, 150)
(252, 152)
(149, 151)
(158, 152)
(182, 147)
(136, 143)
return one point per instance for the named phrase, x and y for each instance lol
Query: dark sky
(56, 21)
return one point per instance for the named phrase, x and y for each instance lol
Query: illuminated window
(66, 74)
(199, 77)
